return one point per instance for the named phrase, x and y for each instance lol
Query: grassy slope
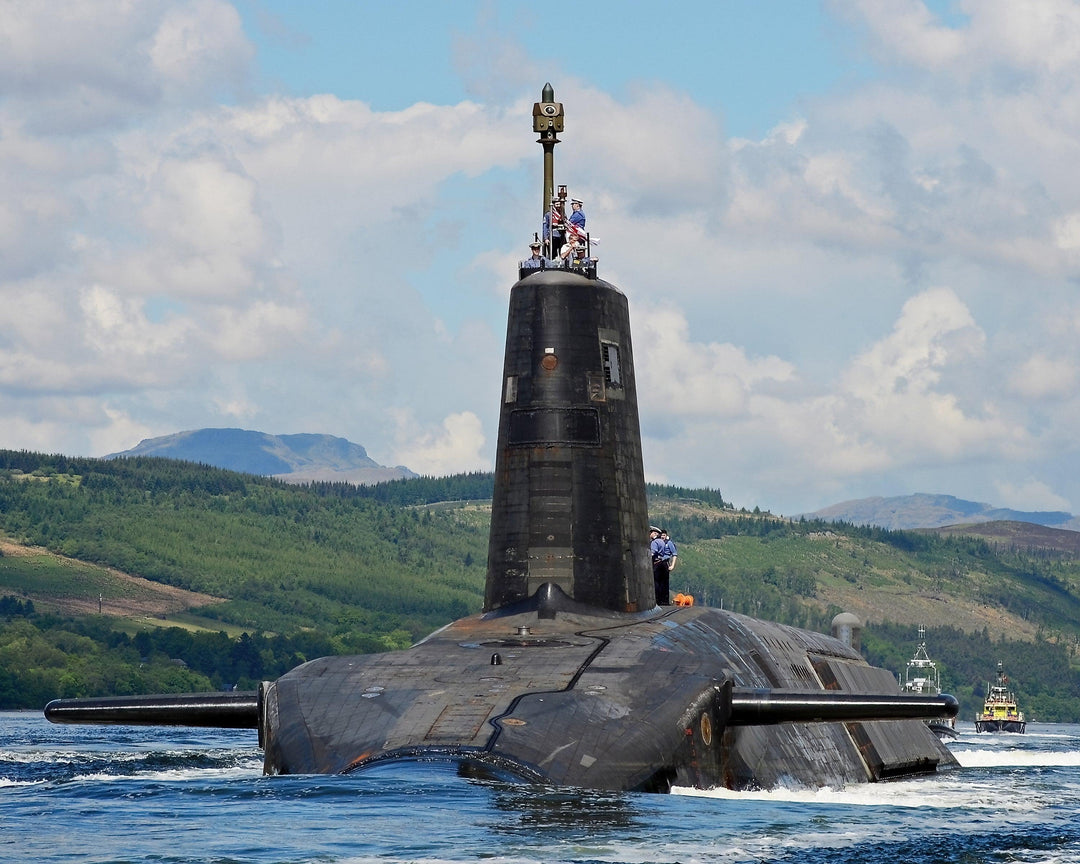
(63, 586)
(962, 583)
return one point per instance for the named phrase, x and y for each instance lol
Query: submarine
(573, 674)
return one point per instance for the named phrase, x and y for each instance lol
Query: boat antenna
(548, 122)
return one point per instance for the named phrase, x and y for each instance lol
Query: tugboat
(921, 678)
(999, 712)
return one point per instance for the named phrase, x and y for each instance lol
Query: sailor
(661, 574)
(553, 234)
(571, 251)
(577, 217)
(670, 549)
(536, 260)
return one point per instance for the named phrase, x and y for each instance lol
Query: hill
(905, 512)
(68, 586)
(1019, 537)
(301, 458)
(278, 574)
(937, 578)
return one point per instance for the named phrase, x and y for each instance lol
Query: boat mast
(548, 122)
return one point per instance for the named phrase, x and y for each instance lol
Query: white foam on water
(937, 792)
(899, 794)
(1013, 758)
(51, 756)
(6, 783)
(174, 775)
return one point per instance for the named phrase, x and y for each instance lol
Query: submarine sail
(572, 674)
(569, 506)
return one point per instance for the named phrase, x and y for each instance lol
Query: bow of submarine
(584, 697)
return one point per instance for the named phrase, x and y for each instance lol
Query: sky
(849, 232)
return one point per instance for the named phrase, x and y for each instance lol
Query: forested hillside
(285, 557)
(276, 574)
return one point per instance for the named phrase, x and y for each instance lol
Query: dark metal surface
(218, 710)
(608, 701)
(1017, 726)
(569, 505)
(762, 707)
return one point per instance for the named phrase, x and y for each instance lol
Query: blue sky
(849, 231)
(752, 62)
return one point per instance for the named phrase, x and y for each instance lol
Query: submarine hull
(577, 672)
(606, 702)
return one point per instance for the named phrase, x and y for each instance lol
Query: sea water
(131, 794)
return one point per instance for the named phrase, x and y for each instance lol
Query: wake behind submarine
(572, 675)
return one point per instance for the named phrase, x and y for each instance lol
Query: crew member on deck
(536, 260)
(577, 217)
(571, 252)
(661, 574)
(670, 549)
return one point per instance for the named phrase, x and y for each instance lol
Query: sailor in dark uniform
(661, 574)
(577, 217)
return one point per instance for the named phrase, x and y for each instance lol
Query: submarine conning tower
(569, 505)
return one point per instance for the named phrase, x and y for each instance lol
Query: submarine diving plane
(572, 674)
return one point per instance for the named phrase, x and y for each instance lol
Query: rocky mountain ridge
(923, 510)
(299, 458)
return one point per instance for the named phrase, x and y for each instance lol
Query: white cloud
(208, 239)
(116, 432)
(179, 259)
(1042, 376)
(117, 329)
(66, 424)
(197, 46)
(1030, 495)
(238, 407)
(893, 393)
(889, 411)
(96, 64)
(1019, 35)
(259, 329)
(711, 380)
(455, 446)
(655, 169)
(932, 326)
(906, 31)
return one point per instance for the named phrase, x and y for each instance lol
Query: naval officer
(535, 260)
(577, 217)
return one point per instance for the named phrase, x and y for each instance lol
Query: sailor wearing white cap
(535, 260)
(577, 217)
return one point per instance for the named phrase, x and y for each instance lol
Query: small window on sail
(612, 371)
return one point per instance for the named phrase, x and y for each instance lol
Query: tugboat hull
(1017, 726)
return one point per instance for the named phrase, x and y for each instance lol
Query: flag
(571, 228)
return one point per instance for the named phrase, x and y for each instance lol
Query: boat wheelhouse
(922, 678)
